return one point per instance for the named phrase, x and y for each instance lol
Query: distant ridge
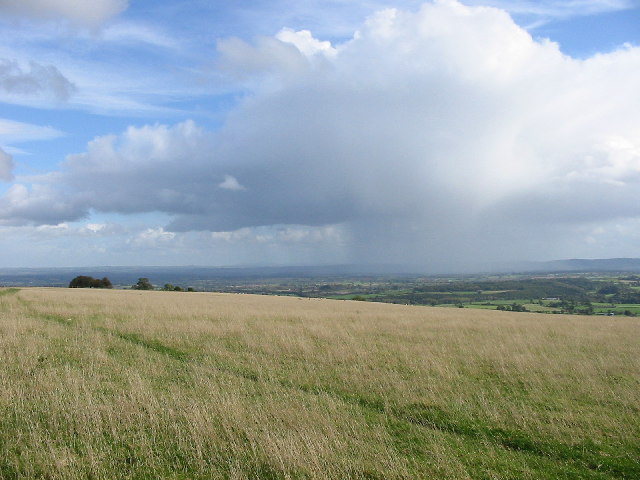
(586, 265)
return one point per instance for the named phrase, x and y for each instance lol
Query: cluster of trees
(176, 288)
(84, 281)
(144, 284)
(619, 293)
(514, 307)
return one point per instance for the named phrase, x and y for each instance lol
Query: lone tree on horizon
(143, 284)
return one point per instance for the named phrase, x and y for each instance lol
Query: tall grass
(131, 384)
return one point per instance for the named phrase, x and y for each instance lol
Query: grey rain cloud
(36, 80)
(442, 135)
(6, 166)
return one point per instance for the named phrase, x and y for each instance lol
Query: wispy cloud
(138, 33)
(557, 8)
(18, 132)
(545, 11)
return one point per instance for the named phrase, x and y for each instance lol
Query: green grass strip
(134, 338)
(153, 345)
(8, 291)
(585, 455)
(56, 318)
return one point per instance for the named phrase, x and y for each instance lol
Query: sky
(446, 135)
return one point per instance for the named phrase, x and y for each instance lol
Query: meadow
(103, 384)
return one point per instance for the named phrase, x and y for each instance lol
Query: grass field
(124, 384)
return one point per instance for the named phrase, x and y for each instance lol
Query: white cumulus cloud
(303, 40)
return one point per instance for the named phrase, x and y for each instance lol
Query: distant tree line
(514, 307)
(143, 283)
(84, 281)
(516, 289)
(168, 287)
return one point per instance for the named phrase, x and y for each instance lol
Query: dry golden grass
(129, 384)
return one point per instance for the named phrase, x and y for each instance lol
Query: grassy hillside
(127, 384)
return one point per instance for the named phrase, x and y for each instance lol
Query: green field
(137, 385)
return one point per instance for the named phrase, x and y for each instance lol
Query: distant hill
(585, 265)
